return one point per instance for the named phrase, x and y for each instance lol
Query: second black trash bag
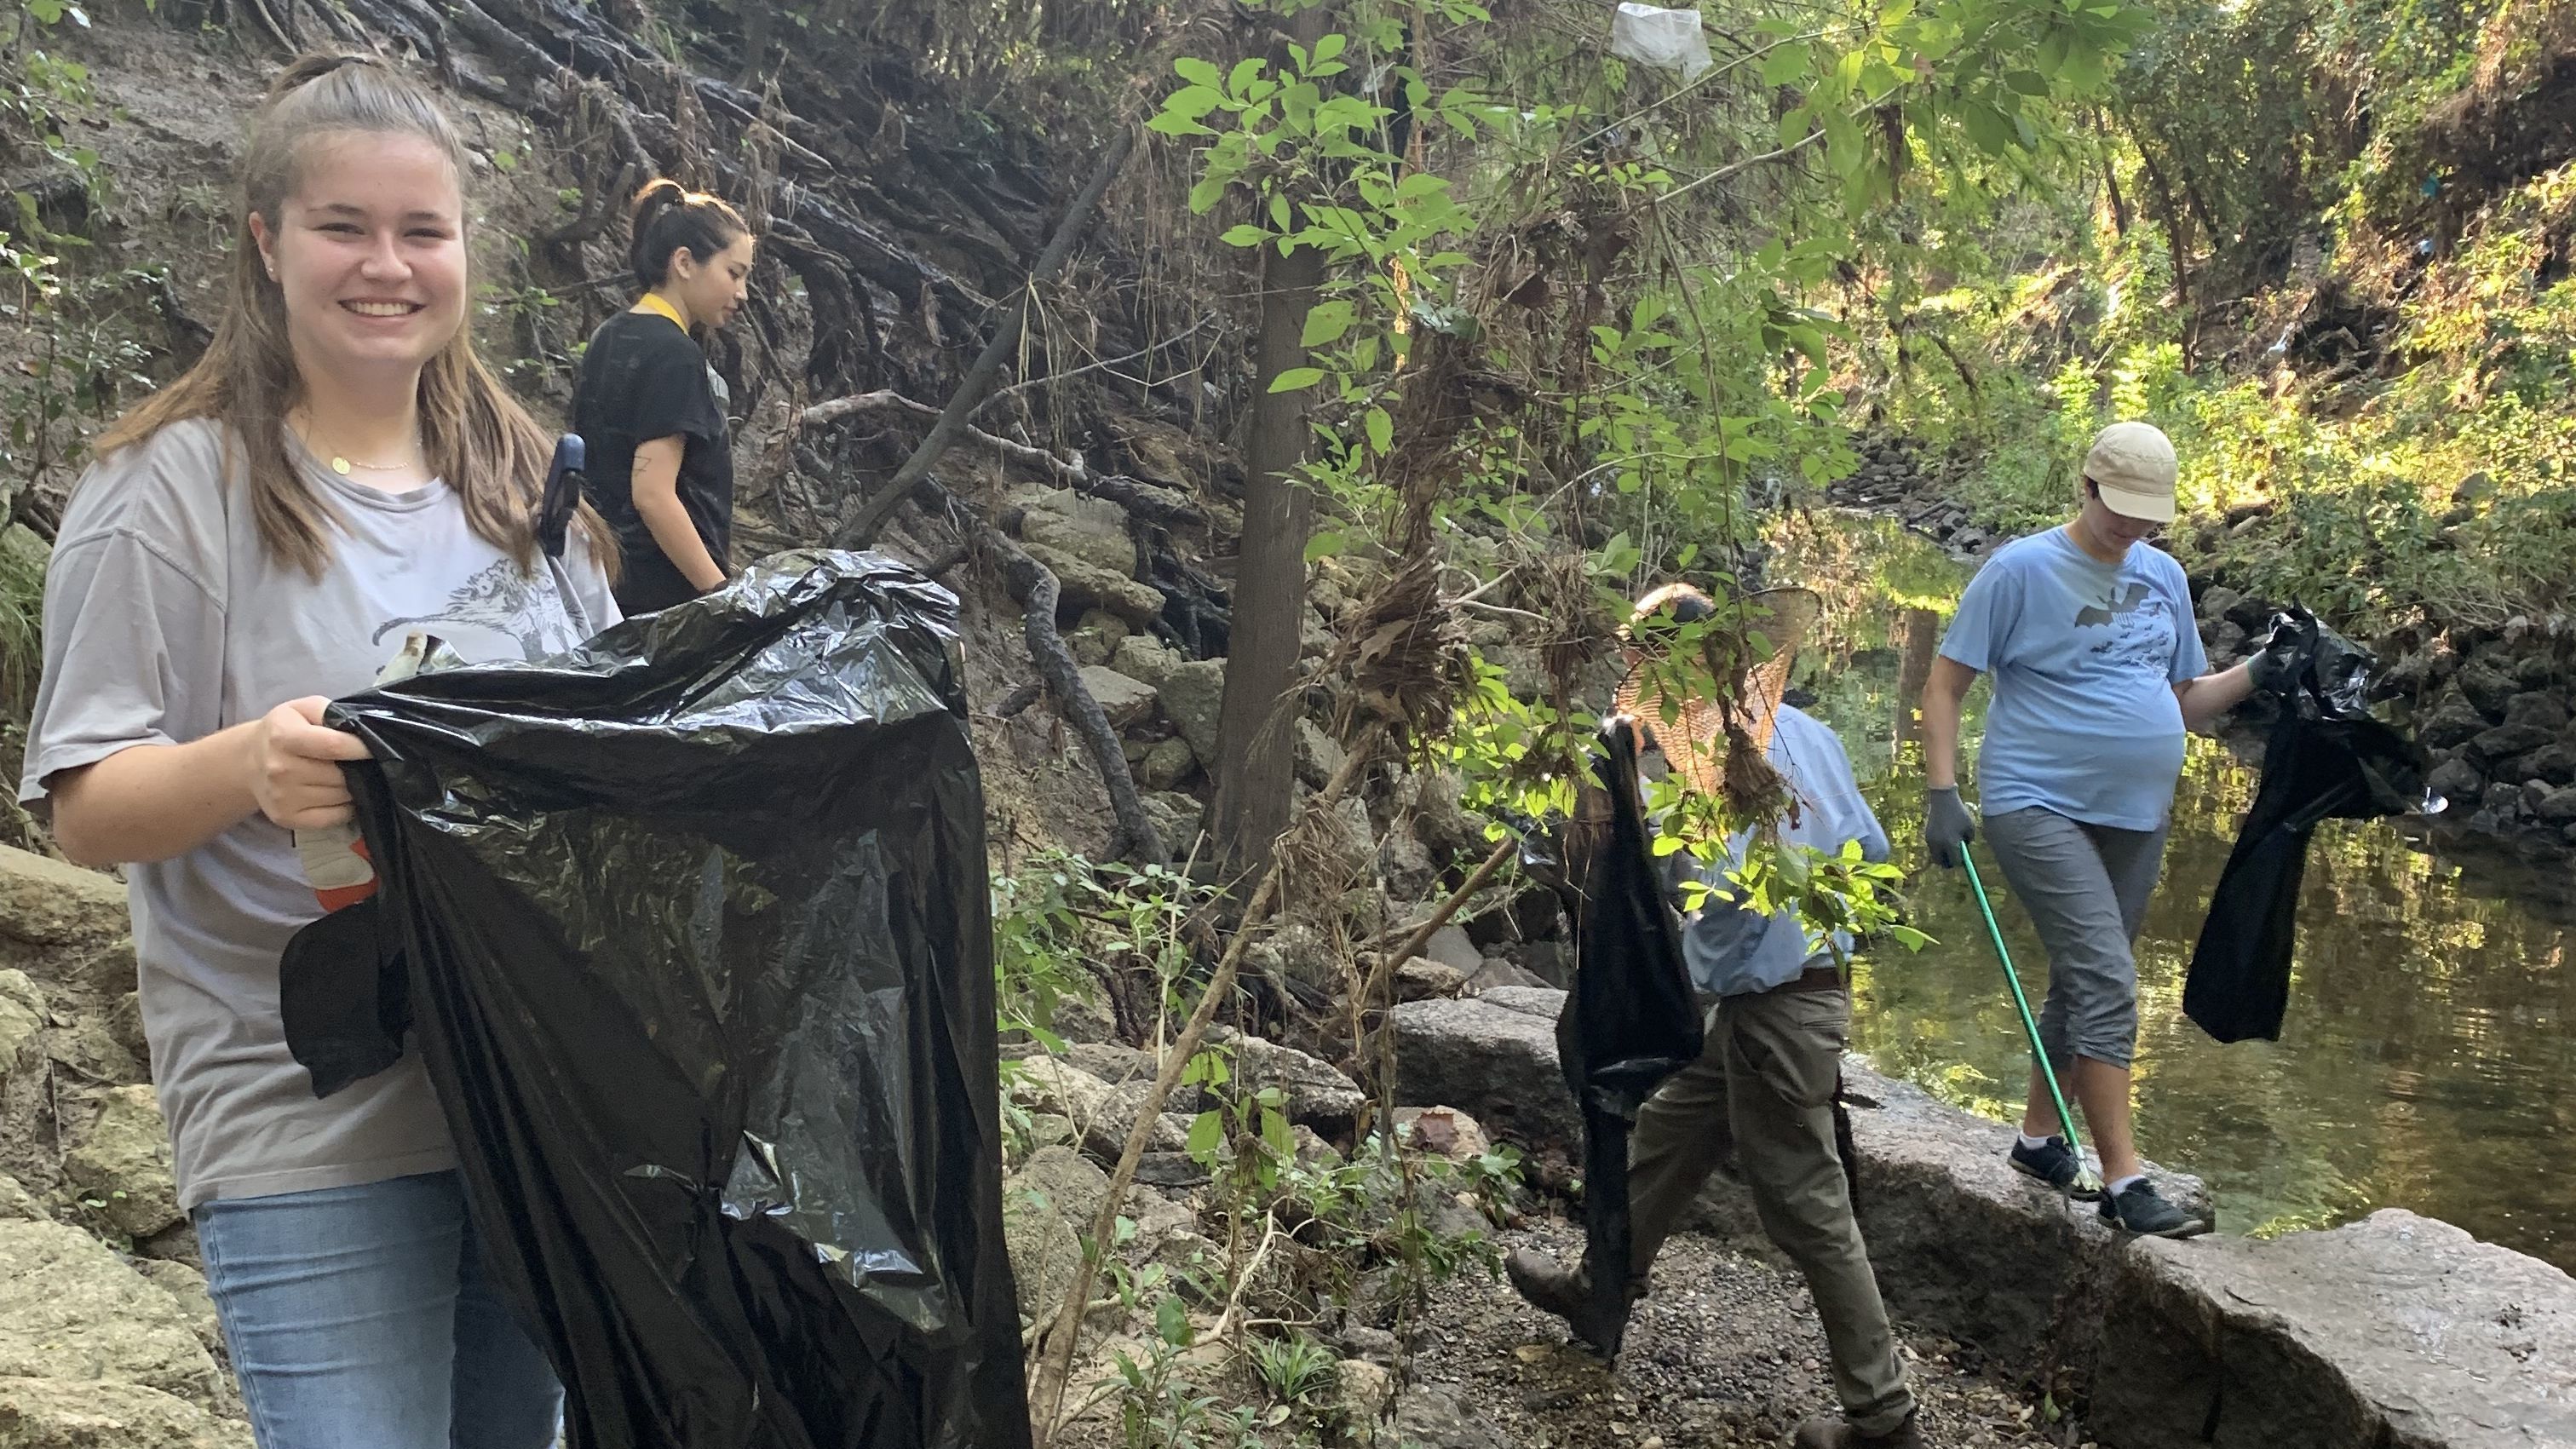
(2326, 759)
(700, 962)
(1630, 1022)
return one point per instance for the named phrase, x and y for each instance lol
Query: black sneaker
(2058, 1165)
(2138, 1210)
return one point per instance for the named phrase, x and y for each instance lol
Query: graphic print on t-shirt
(2142, 633)
(2110, 609)
(501, 600)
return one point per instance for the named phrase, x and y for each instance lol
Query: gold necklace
(341, 463)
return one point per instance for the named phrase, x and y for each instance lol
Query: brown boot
(1831, 1431)
(1546, 1285)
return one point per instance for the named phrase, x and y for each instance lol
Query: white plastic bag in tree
(1664, 39)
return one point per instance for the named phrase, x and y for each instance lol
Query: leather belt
(1814, 978)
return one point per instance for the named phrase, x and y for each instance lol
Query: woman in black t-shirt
(652, 411)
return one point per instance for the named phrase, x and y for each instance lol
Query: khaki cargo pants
(1764, 1085)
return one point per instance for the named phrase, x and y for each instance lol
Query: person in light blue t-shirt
(2089, 635)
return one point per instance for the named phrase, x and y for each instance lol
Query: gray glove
(2273, 671)
(1947, 827)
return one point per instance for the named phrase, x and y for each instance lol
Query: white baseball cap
(2133, 465)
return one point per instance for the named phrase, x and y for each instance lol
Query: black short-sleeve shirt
(643, 378)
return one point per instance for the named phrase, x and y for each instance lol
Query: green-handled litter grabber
(2085, 1178)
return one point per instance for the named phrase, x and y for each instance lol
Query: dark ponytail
(664, 217)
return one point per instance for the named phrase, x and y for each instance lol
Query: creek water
(2426, 1061)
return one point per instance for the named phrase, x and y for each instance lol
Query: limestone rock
(1450, 946)
(19, 1205)
(2451, 724)
(125, 1163)
(2396, 1330)
(2538, 708)
(1362, 1395)
(1192, 695)
(22, 1015)
(1496, 971)
(1096, 638)
(1431, 1419)
(2507, 740)
(47, 903)
(1422, 979)
(1318, 755)
(1043, 1084)
(70, 1414)
(1144, 657)
(186, 1287)
(2216, 601)
(1494, 1055)
(1042, 1204)
(2457, 779)
(2488, 686)
(125, 1028)
(1087, 586)
(1179, 819)
(1111, 1062)
(70, 1310)
(1317, 1094)
(1126, 701)
(1405, 864)
(1105, 1135)
(1443, 1130)
(1090, 529)
(1167, 764)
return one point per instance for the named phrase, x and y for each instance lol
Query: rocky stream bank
(2026, 1322)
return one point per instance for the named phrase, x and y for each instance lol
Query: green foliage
(1295, 1371)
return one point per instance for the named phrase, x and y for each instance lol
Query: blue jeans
(365, 1316)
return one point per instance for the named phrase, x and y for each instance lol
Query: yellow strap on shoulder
(652, 302)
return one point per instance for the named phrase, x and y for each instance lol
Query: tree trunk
(1256, 737)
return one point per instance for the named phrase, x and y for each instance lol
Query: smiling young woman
(653, 412)
(251, 541)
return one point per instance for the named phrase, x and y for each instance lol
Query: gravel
(1726, 1351)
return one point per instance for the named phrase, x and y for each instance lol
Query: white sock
(2033, 1143)
(2125, 1183)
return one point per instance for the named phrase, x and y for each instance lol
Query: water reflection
(2426, 1063)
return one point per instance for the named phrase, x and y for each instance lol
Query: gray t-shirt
(165, 621)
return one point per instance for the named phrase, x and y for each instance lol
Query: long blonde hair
(473, 433)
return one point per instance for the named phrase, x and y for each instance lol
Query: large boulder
(1315, 1093)
(1193, 694)
(1495, 1057)
(47, 903)
(1046, 1206)
(124, 1163)
(1090, 529)
(1948, 1221)
(1318, 754)
(1126, 701)
(71, 1414)
(1084, 586)
(70, 1310)
(1144, 657)
(2396, 1330)
(1450, 946)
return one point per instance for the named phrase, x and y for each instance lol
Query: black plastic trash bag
(1631, 1021)
(699, 958)
(2327, 759)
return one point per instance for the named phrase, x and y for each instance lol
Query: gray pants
(1764, 1085)
(2086, 888)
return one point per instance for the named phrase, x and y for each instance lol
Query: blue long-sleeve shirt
(1730, 950)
